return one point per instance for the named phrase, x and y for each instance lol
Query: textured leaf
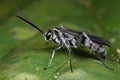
(19, 59)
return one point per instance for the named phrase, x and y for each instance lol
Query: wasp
(69, 38)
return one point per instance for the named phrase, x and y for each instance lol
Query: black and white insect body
(69, 38)
(74, 38)
(93, 46)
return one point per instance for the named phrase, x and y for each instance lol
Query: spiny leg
(53, 53)
(104, 63)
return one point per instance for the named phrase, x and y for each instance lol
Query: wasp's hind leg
(52, 56)
(102, 60)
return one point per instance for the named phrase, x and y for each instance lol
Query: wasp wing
(67, 30)
(98, 40)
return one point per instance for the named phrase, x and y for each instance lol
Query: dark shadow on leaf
(84, 53)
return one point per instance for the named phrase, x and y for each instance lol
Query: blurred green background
(19, 59)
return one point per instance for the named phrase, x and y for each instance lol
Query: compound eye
(48, 35)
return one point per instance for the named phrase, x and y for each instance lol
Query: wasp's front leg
(45, 44)
(52, 56)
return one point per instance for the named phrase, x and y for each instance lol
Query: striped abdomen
(86, 41)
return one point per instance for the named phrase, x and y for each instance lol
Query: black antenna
(28, 21)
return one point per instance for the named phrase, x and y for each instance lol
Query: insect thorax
(64, 38)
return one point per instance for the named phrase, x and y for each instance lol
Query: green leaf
(19, 58)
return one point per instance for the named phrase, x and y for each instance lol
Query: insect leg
(43, 46)
(95, 48)
(53, 53)
(70, 60)
(67, 44)
(104, 63)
